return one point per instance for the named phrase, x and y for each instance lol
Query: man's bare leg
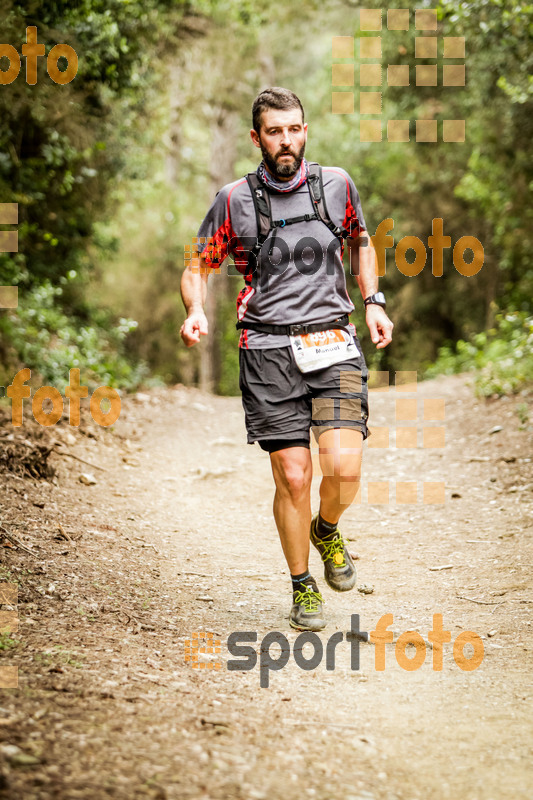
(340, 461)
(340, 455)
(292, 470)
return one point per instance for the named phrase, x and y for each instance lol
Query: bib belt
(296, 330)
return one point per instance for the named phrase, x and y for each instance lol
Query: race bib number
(318, 350)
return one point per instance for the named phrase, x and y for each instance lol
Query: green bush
(502, 357)
(50, 343)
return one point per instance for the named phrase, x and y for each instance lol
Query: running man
(301, 363)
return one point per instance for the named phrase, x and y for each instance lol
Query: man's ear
(255, 137)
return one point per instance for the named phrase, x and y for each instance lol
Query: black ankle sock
(324, 529)
(300, 582)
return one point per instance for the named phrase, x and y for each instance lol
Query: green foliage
(496, 184)
(61, 147)
(501, 357)
(228, 381)
(45, 338)
(7, 642)
(59, 655)
(522, 412)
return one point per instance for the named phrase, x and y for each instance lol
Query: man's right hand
(194, 326)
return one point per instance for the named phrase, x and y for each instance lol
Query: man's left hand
(379, 325)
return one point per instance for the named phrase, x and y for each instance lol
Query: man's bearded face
(282, 141)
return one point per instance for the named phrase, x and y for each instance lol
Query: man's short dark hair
(274, 97)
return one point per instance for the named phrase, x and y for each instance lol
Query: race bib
(318, 350)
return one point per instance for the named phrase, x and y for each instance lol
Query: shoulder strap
(263, 211)
(316, 190)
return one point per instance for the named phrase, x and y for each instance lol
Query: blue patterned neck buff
(283, 186)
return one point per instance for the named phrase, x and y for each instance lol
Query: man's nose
(285, 138)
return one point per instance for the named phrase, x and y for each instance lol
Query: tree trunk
(173, 135)
(224, 132)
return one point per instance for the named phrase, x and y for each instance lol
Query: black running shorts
(280, 402)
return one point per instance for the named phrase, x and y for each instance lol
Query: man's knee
(296, 482)
(293, 476)
(340, 452)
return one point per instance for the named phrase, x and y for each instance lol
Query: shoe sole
(337, 589)
(303, 628)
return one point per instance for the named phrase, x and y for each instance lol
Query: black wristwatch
(376, 299)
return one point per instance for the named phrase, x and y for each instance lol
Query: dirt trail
(177, 536)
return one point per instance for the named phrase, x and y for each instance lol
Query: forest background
(114, 171)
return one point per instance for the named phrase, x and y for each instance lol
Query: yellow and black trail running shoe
(306, 612)
(339, 569)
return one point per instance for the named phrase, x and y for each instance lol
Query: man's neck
(279, 177)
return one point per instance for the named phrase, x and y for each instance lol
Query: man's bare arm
(363, 264)
(193, 293)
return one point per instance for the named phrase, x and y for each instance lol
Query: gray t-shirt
(300, 277)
